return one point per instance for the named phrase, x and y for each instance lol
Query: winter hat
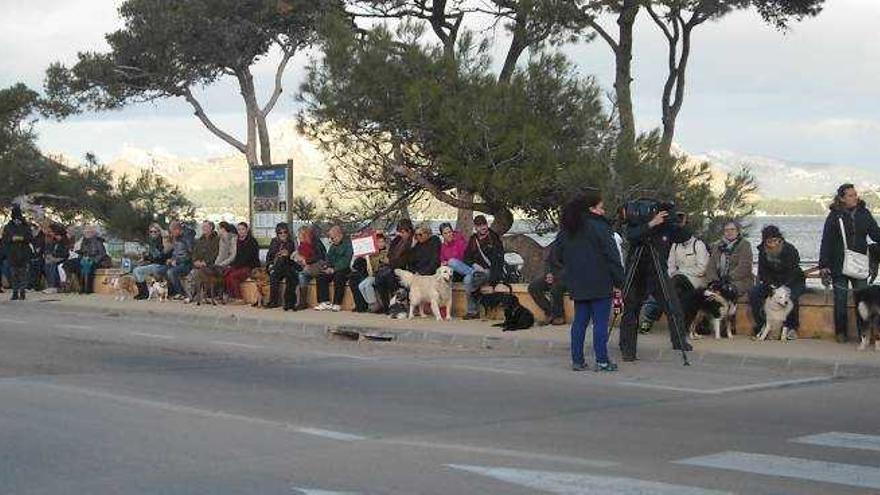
(771, 232)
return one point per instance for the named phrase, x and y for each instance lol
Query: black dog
(868, 309)
(516, 316)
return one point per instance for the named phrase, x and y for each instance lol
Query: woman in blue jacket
(585, 247)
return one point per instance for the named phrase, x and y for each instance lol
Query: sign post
(271, 192)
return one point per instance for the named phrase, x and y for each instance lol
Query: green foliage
(89, 193)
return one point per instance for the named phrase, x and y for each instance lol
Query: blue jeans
(599, 311)
(175, 274)
(50, 270)
(467, 271)
(141, 273)
(841, 300)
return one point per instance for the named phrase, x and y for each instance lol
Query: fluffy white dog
(434, 289)
(777, 307)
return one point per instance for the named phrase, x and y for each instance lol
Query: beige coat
(739, 266)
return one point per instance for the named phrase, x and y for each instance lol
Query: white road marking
(842, 440)
(583, 484)
(739, 388)
(346, 356)
(153, 335)
(74, 327)
(503, 452)
(307, 491)
(487, 370)
(334, 435)
(237, 344)
(791, 467)
(10, 320)
(175, 408)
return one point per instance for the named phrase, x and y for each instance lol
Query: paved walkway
(803, 354)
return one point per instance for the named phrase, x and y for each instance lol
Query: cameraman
(656, 234)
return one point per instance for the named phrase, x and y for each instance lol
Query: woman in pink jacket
(452, 250)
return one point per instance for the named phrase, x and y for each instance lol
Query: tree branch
(279, 75)
(200, 113)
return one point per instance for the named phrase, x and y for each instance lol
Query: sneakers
(324, 306)
(645, 327)
(579, 367)
(51, 290)
(335, 308)
(608, 367)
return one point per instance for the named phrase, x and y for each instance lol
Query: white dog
(159, 290)
(434, 289)
(777, 307)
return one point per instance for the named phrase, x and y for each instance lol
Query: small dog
(124, 286)
(516, 316)
(868, 308)
(159, 290)
(423, 289)
(399, 305)
(718, 306)
(777, 307)
(260, 278)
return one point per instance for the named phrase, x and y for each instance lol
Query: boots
(15, 294)
(302, 297)
(21, 295)
(143, 291)
(290, 294)
(273, 296)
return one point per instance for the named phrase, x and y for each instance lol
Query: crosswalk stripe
(842, 440)
(582, 484)
(790, 467)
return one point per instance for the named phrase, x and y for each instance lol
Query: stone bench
(816, 312)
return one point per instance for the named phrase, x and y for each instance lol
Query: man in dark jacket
(858, 225)
(281, 268)
(656, 234)
(424, 257)
(485, 255)
(17, 238)
(779, 264)
(153, 262)
(57, 252)
(548, 290)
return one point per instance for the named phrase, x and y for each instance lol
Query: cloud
(844, 127)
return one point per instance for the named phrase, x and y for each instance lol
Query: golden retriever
(434, 289)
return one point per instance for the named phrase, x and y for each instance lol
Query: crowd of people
(585, 261)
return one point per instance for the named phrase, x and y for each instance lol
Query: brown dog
(207, 286)
(124, 286)
(260, 277)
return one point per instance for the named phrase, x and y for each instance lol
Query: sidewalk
(821, 356)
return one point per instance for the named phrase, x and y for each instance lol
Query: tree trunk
(673, 92)
(256, 122)
(465, 221)
(623, 84)
(503, 220)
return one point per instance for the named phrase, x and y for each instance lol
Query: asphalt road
(95, 405)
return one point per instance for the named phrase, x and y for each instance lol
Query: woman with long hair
(586, 249)
(247, 257)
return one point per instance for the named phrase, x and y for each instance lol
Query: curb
(835, 369)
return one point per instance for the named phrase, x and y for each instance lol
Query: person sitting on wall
(779, 264)
(424, 258)
(311, 256)
(398, 258)
(204, 255)
(363, 276)
(337, 270)
(152, 263)
(179, 260)
(92, 255)
(687, 266)
(247, 257)
(548, 290)
(282, 268)
(485, 257)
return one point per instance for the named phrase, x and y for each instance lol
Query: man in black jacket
(658, 233)
(779, 264)
(858, 225)
(485, 255)
(17, 238)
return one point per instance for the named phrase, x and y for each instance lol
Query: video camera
(643, 210)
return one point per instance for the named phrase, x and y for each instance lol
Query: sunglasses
(283, 232)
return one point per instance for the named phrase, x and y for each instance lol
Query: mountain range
(218, 185)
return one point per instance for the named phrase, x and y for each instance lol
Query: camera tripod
(673, 316)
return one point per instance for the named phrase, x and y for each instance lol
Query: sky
(811, 94)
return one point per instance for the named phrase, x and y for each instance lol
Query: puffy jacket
(590, 259)
(859, 224)
(339, 255)
(733, 263)
(226, 250)
(691, 259)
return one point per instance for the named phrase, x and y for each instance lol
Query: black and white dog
(718, 306)
(868, 308)
(398, 308)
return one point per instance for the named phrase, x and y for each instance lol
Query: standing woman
(849, 218)
(17, 239)
(586, 249)
(247, 257)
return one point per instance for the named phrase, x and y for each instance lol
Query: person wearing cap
(485, 255)
(857, 225)
(281, 268)
(17, 239)
(779, 264)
